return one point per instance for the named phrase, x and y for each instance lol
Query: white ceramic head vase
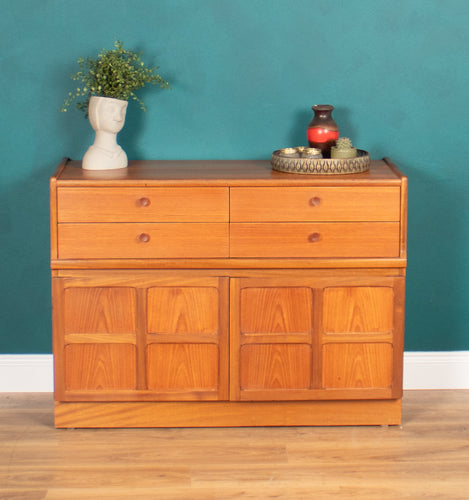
(107, 117)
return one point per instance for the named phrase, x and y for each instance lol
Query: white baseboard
(436, 370)
(26, 373)
(422, 370)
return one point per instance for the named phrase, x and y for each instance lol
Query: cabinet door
(95, 337)
(135, 336)
(272, 325)
(362, 338)
(187, 339)
(316, 337)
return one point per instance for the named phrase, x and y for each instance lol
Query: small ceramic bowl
(289, 151)
(311, 153)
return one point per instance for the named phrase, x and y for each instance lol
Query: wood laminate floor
(427, 457)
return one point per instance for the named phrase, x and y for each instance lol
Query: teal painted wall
(244, 75)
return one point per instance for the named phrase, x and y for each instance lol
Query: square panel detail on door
(99, 338)
(276, 310)
(186, 340)
(182, 310)
(183, 367)
(358, 337)
(271, 339)
(355, 309)
(357, 366)
(101, 367)
(275, 367)
(99, 310)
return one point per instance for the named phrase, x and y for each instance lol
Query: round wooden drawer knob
(144, 238)
(315, 201)
(314, 237)
(144, 202)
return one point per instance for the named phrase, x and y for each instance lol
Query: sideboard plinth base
(226, 414)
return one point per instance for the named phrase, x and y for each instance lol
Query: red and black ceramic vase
(322, 130)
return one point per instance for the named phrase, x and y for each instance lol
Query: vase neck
(323, 110)
(106, 140)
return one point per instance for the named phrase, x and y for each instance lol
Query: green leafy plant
(116, 73)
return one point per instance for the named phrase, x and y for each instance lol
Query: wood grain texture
(426, 457)
(345, 336)
(108, 310)
(315, 204)
(276, 310)
(142, 240)
(99, 367)
(182, 310)
(280, 263)
(358, 309)
(404, 205)
(357, 365)
(321, 239)
(211, 173)
(106, 204)
(275, 367)
(177, 326)
(227, 413)
(188, 367)
(194, 284)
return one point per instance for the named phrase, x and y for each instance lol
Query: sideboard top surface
(217, 173)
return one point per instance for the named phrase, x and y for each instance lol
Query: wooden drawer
(360, 239)
(144, 240)
(108, 204)
(291, 204)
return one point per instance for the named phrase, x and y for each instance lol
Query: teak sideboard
(223, 293)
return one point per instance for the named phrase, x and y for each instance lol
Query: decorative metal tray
(295, 161)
